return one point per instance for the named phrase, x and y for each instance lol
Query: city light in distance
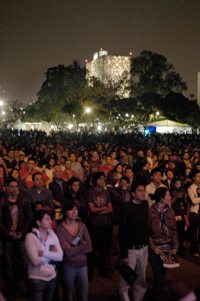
(1, 103)
(157, 113)
(127, 115)
(130, 53)
(88, 110)
(86, 61)
(3, 113)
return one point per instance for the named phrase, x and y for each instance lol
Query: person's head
(138, 191)
(186, 156)
(98, 179)
(63, 159)
(79, 158)
(31, 163)
(162, 196)
(12, 187)
(68, 164)
(140, 154)
(73, 184)
(118, 168)
(113, 155)
(11, 154)
(112, 178)
(14, 173)
(72, 156)
(197, 166)
(124, 167)
(41, 219)
(70, 210)
(149, 153)
(22, 164)
(38, 180)
(108, 160)
(51, 163)
(129, 172)
(176, 183)
(123, 152)
(94, 154)
(196, 154)
(85, 164)
(124, 182)
(196, 177)
(169, 173)
(57, 172)
(155, 159)
(187, 172)
(156, 175)
(165, 158)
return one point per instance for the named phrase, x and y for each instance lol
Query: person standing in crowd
(15, 215)
(133, 241)
(22, 185)
(94, 162)
(39, 193)
(194, 217)
(26, 173)
(76, 166)
(43, 249)
(10, 161)
(49, 168)
(162, 235)
(68, 172)
(58, 186)
(100, 221)
(130, 174)
(156, 177)
(75, 241)
(108, 166)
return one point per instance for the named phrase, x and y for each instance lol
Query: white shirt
(195, 201)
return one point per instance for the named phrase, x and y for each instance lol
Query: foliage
(152, 73)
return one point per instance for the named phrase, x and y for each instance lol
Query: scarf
(163, 218)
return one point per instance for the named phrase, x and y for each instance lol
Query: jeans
(194, 224)
(41, 290)
(138, 260)
(11, 247)
(74, 276)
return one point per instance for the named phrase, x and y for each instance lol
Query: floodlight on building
(157, 113)
(3, 113)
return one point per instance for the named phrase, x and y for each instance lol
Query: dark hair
(112, 178)
(135, 185)
(68, 205)
(155, 170)
(174, 180)
(129, 168)
(35, 174)
(159, 193)
(11, 180)
(115, 168)
(96, 176)
(64, 157)
(72, 180)
(12, 172)
(32, 159)
(72, 153)
(125, 178)
(48, 163)
(38, 215)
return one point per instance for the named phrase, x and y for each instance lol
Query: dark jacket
(24, 217)
(58, 195)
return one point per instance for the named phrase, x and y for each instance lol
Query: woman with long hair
(75, 241)
(49, 168)
(118, 170)
(162, 235)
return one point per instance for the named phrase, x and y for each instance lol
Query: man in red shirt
(108, 166)
(26, 173)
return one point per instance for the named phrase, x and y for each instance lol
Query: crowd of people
(72, 204)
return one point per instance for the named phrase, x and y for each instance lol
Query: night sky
(39, 34)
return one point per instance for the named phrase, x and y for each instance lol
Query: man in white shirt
(156, 177)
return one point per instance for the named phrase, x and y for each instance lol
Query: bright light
(157, 113)
(127, 115)
(99, 127)
(130, 53)
(132, 116)
(86, 61)
(70, 126)
(119, 114)
(1, 103)
(88, 110)
(3, 113)
(73, 115)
